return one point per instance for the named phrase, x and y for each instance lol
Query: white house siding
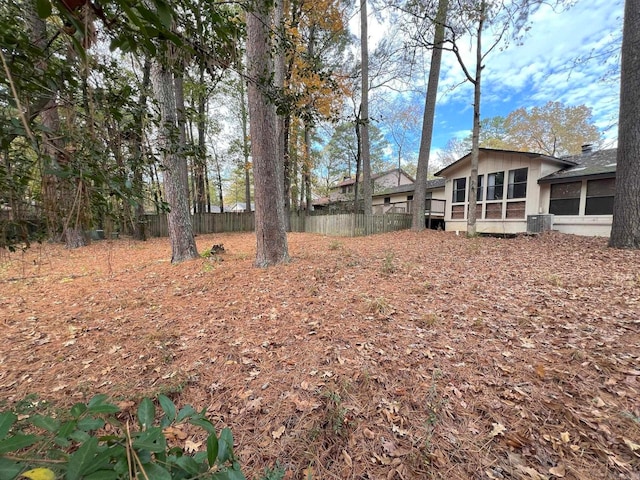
(492, 162)
(587, 225)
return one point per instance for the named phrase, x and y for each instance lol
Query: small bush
(90, 442)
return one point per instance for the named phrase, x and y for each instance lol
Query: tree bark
(183, 245)
(244, 121)
(625, 231)
(420, 193)
(139, 232)
(271, 233)
(200, 160)
(367, 187)
(475, 136)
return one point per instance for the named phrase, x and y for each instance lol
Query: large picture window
(517, 183)
(565, 198)
(600, 195)
(459, 190)
(495, 186)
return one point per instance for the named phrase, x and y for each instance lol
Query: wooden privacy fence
(341, 225)
(157, 225)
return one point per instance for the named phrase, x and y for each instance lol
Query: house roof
(410, 187)
(568, 162)
(351, 181)
(601, 163)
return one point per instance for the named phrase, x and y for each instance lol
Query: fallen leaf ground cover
(404, 355)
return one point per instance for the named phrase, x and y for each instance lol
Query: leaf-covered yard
(405, 355)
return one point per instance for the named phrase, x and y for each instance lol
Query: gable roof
(601, 163)
(410, 187)
(531, 155)
(351, 181)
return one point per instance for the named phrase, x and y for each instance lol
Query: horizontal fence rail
(341, 225)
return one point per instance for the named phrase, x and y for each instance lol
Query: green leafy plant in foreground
(90, 443)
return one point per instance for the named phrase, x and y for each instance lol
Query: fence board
(342, 225)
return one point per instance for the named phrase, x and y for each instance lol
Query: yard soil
(397, 356)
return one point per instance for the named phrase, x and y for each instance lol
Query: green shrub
(89, 442)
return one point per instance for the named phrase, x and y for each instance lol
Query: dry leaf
(175, 432)
(564, 436)
(368, 433)
(255, 404)
(498, 429)
(347, 458)
(192, 447)
(558, 471)
(632, 445)
(532, 472)
(276, 434)
(540, 371)
(393, 450)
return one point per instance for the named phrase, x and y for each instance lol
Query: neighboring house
(345, 190)
(400, 200)
(238, 207)
(515, 189)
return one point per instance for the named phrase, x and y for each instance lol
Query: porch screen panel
(459, 190)
(495, 186)
(494, 211)
(516, 209)
(517, 183)
(457, 212)
(565, 198)
(480, 191)
(600, 195)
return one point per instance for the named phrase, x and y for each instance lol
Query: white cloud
(566, 56)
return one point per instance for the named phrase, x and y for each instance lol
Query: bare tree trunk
(356, 185)
(625, 231)
(420, 194)
(244, 121)
(219, 177)
(306, 168)
(271, 234)
(475, 136)
(367, 187)
(200, 160)
(183, 245)
(278, 78)
(139, 232)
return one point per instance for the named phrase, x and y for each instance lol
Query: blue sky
(567, 56)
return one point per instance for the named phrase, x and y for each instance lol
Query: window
(600, 195)
(387, 200)
(495, 186)
(517, 183)
(459, 189)
(480, 186)
(565, 198)
(409, 198)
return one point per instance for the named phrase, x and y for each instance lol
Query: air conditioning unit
(539, 223)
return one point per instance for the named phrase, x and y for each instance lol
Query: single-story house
(524, 191)
(517, 192)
